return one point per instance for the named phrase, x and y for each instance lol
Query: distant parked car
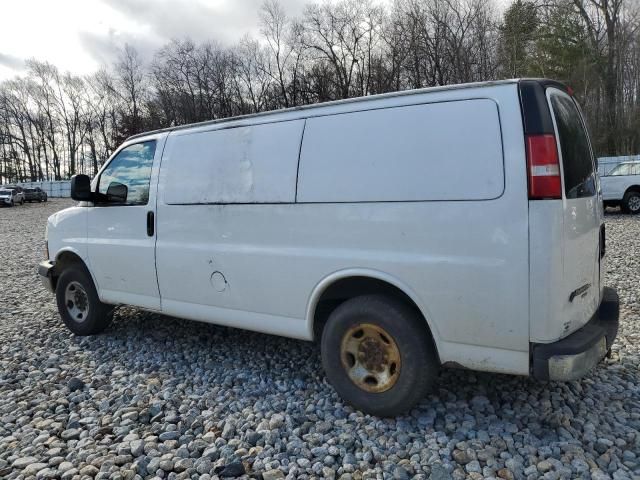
(10, 197)
(35, 195)
(18, 196)
(621, 187)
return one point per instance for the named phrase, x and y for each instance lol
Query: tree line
(54, 124)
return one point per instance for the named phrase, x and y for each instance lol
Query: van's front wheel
(78, 304)
(378, 354)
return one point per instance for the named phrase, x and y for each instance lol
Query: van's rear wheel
(78, 304)
(378, 354)
(631, 202)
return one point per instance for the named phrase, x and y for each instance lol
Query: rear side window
(429, 152)
(577, 161)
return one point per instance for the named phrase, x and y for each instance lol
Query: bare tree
(252, 80)
(602, 19)
(132, 88)
(344, 35)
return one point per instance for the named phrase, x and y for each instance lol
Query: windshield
(29, 190)
(626, 169)
(5, 193)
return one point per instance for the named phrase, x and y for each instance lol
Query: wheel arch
(344, 284)
(66, 257)
(632, 188)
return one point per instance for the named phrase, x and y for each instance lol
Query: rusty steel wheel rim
(370, 357)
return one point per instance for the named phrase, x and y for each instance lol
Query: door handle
(150, 223)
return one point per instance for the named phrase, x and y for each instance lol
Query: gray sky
(80, 35)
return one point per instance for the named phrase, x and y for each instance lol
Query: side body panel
(465, 263)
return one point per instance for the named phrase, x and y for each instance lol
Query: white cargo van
(452, 226)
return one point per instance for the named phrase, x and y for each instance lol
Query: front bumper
(573, 356)
(45, 270)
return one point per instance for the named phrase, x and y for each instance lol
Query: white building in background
(60, 188)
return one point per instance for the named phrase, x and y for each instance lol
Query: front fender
(67, 231)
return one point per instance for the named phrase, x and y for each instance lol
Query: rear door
(582, 213)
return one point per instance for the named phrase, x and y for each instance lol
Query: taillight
(543, 167)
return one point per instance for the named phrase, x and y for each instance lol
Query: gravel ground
(166, 398)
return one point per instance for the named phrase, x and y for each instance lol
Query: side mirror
(117, 192)
(81, 188)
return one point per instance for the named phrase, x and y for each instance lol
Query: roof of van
(545, 82)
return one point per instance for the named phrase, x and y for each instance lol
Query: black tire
(419, 363)
(98, 314)
(12, 204)
(22, 202)
(631, 202)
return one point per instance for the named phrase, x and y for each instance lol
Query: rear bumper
(573, 356)
(45, 270)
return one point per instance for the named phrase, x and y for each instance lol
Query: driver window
(125, 181)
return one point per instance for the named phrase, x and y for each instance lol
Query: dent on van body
(247, 164)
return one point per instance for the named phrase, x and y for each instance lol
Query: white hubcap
(77, 301)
